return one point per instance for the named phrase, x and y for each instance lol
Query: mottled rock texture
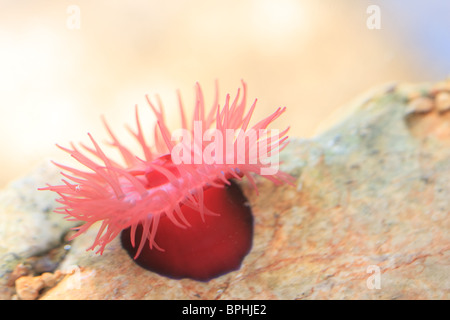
(29, 230)
(368, 218)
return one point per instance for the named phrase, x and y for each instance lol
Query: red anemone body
(209, 248)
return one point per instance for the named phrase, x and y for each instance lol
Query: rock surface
(368, 219)
(29, 229)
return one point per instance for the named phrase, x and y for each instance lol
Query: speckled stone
(28, 226)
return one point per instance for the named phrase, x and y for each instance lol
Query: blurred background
(65, 63)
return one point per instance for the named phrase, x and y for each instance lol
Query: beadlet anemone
(177, 207)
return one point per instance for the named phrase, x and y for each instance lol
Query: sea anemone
(176, 206)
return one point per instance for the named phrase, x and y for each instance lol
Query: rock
(368, 219)
(420, 105)
(28, 226)
(22, 269)
(443, 101)
(441, 86)
(29, 287)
